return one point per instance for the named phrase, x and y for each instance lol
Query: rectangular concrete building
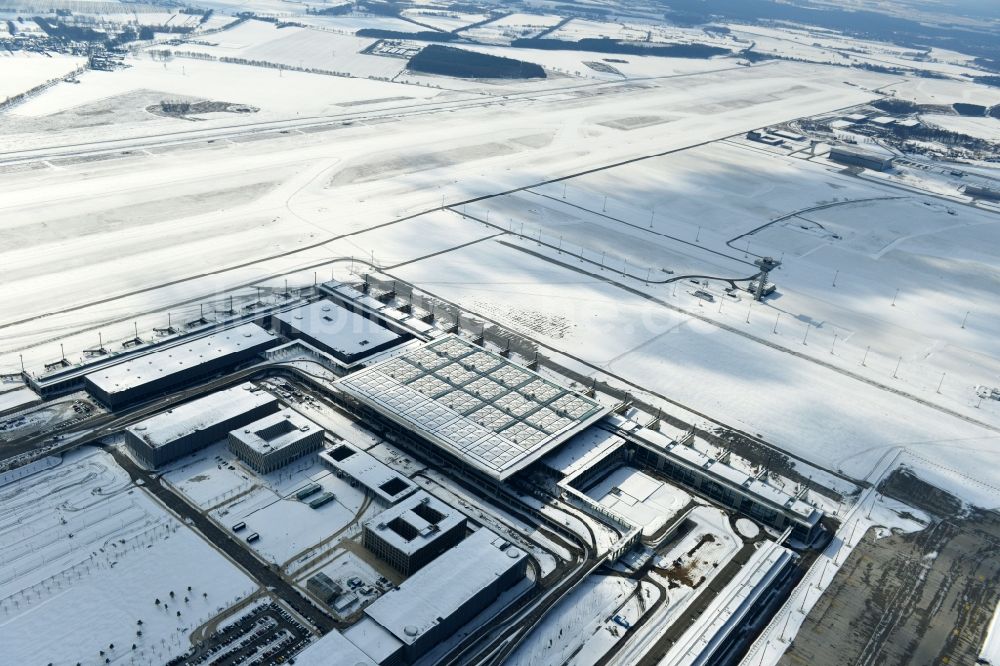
(347, 336)
(155, 373)
(439, 599)
(413, 532)
(275, 440)
(194, 425)
(378, 479)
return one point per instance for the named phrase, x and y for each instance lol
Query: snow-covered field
(222, 205)
(296, 47)
(580, 629)
(84, 554)
(511, 27)
(983, 128)
(21, 71)
(276, 93)
(443, 19)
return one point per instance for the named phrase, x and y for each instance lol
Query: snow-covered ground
(511, 27)
(84, 553)
(255, 206)
(275, 92)
(296, 47)
(443, 19)
(289, 529)
(580, 629)
(21, 71)
(983, 128)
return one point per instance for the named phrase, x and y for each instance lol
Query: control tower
(760, 288)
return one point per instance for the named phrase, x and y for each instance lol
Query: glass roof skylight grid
(481, 361)
(452, 347)
(540, 390)
(491, 417)
(456, 374)
(497, 416)
(510, 376)
(400, 370)
(572, 406)
(430, 386)
(547, 420)
(430, 415)
(485, 388)
(427, 359)
(463, 433)
(523, 435)
(516, 404)
(460, 401)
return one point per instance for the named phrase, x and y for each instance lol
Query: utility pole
(894, 297)
(604, 209)
(836, 273)
(897, 367)
(775, 322)
(965, 319)
(866, 355)
(804, 337)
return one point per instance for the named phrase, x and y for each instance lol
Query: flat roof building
(980, 192)
(275, 440)
(861, 158)
(151, 374)
(473, 404)
(439, 599)
(194, 425)
(333, 649)
(325, 589)
(378, 479)
(375, 642)
(413, 532)
(348, 336)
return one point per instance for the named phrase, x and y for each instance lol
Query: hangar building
(861, 158)
(348, 336)
(194, 425)
(413, 532)
(275, 440)
(148, 375)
